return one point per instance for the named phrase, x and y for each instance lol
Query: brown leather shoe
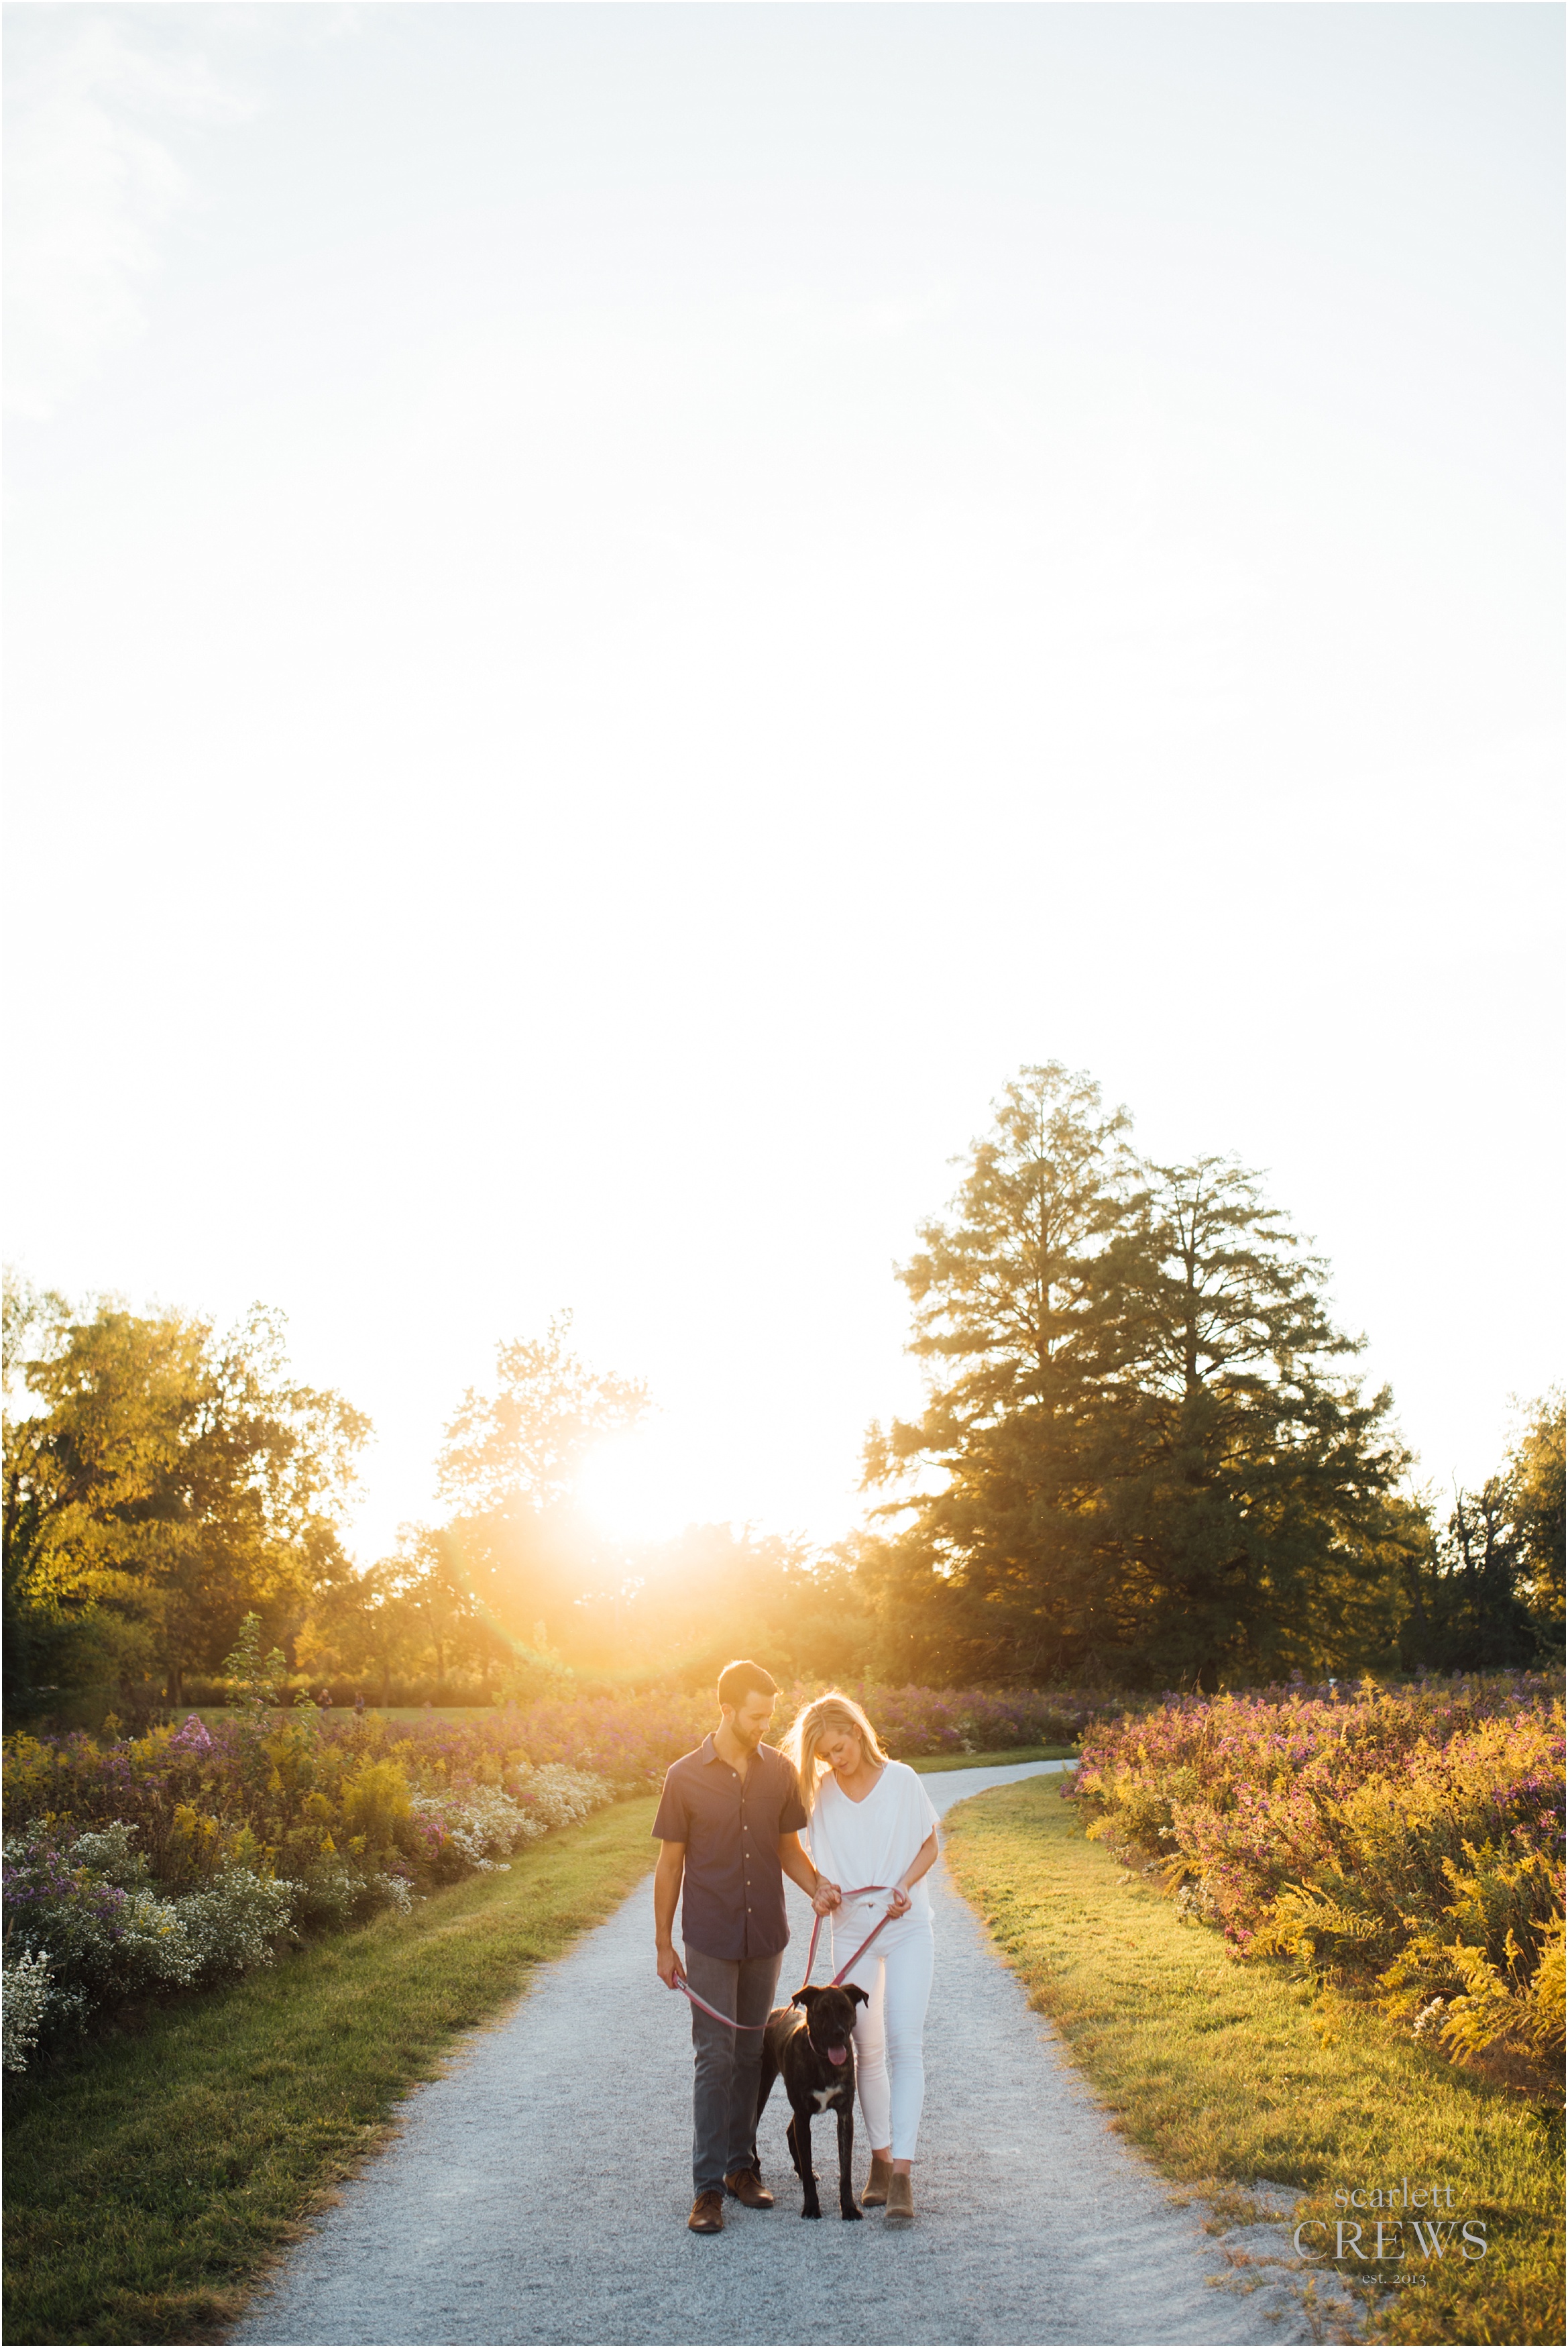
(875, 2192)
(707, 2214)
(748, 2189)
(900, 2200)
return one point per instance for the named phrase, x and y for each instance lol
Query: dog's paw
(811, 2213)
(852, 2216)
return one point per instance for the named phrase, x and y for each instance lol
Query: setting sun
(645, 1486)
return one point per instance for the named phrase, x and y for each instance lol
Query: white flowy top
(874, 1840)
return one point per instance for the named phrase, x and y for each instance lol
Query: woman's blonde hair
(821, 1718)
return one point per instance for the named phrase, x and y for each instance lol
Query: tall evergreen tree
(1138, 1457)
(1001, 1569)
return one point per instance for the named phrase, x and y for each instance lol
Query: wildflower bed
(1237, 2076)
(151, 1865)
(1407, 1843)
(177, 1860)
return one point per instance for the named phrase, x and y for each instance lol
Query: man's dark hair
(737, 1680)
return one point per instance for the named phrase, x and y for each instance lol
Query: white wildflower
(24, 2003)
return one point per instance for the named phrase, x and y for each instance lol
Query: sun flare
(644, 1486)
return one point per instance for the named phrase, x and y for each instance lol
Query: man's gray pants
(728, 2063)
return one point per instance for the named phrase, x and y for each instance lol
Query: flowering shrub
(85, 1927)
(477, 1826)
(1409, 1840)
(94, 1916)
(461, 1833)
(24, 2006)
(179, 1858)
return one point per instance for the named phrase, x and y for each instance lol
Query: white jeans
(890, 2033)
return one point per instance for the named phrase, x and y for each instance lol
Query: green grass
(1236, 2073)
(926, 1762)
(150, 2175)
(211, 1713)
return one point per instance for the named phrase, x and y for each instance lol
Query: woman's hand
(826, 1898)
(900, 1903)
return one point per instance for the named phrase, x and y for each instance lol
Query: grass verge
(150, 2175)
(211, 1715)
(1238, 2073)
(927, 1762)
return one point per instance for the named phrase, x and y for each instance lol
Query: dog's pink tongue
(838, 2054)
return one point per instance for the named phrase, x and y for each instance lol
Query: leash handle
(860, 1892)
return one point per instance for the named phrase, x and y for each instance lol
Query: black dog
(814, 2052)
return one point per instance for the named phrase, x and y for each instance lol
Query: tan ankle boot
(900, 2200)
(875, 2192)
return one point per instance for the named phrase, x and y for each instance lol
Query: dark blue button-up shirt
(732, 1898)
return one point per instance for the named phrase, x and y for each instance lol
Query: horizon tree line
(1144, 1460)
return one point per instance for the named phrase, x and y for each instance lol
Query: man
(729, 1829)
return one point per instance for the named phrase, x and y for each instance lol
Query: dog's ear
(854, 1991)
(805, 1996)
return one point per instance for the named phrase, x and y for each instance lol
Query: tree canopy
(161, 1479)
(1486, 1591)
(526, 1440)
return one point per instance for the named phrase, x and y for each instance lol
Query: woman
(870, 1822)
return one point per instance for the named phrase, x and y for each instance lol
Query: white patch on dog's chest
(825, 2095)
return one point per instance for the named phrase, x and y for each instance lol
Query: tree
(1147, 1467)
(1014, 1312)
(85, 1469)
(516, 1543)
(165, 1480)
(265, 1467)
(1245, 1486)
(1481, 1621)
(359, 1627)
(1487, 1593)
(529, 1439)
(435, 1592)
(1536, 1476)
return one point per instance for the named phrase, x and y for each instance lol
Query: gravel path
(539, 2190)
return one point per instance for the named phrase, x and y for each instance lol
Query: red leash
(860, 1892)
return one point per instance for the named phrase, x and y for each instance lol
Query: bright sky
(615, 613)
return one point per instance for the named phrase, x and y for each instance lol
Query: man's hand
(827, 1897)
(671, 1969)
